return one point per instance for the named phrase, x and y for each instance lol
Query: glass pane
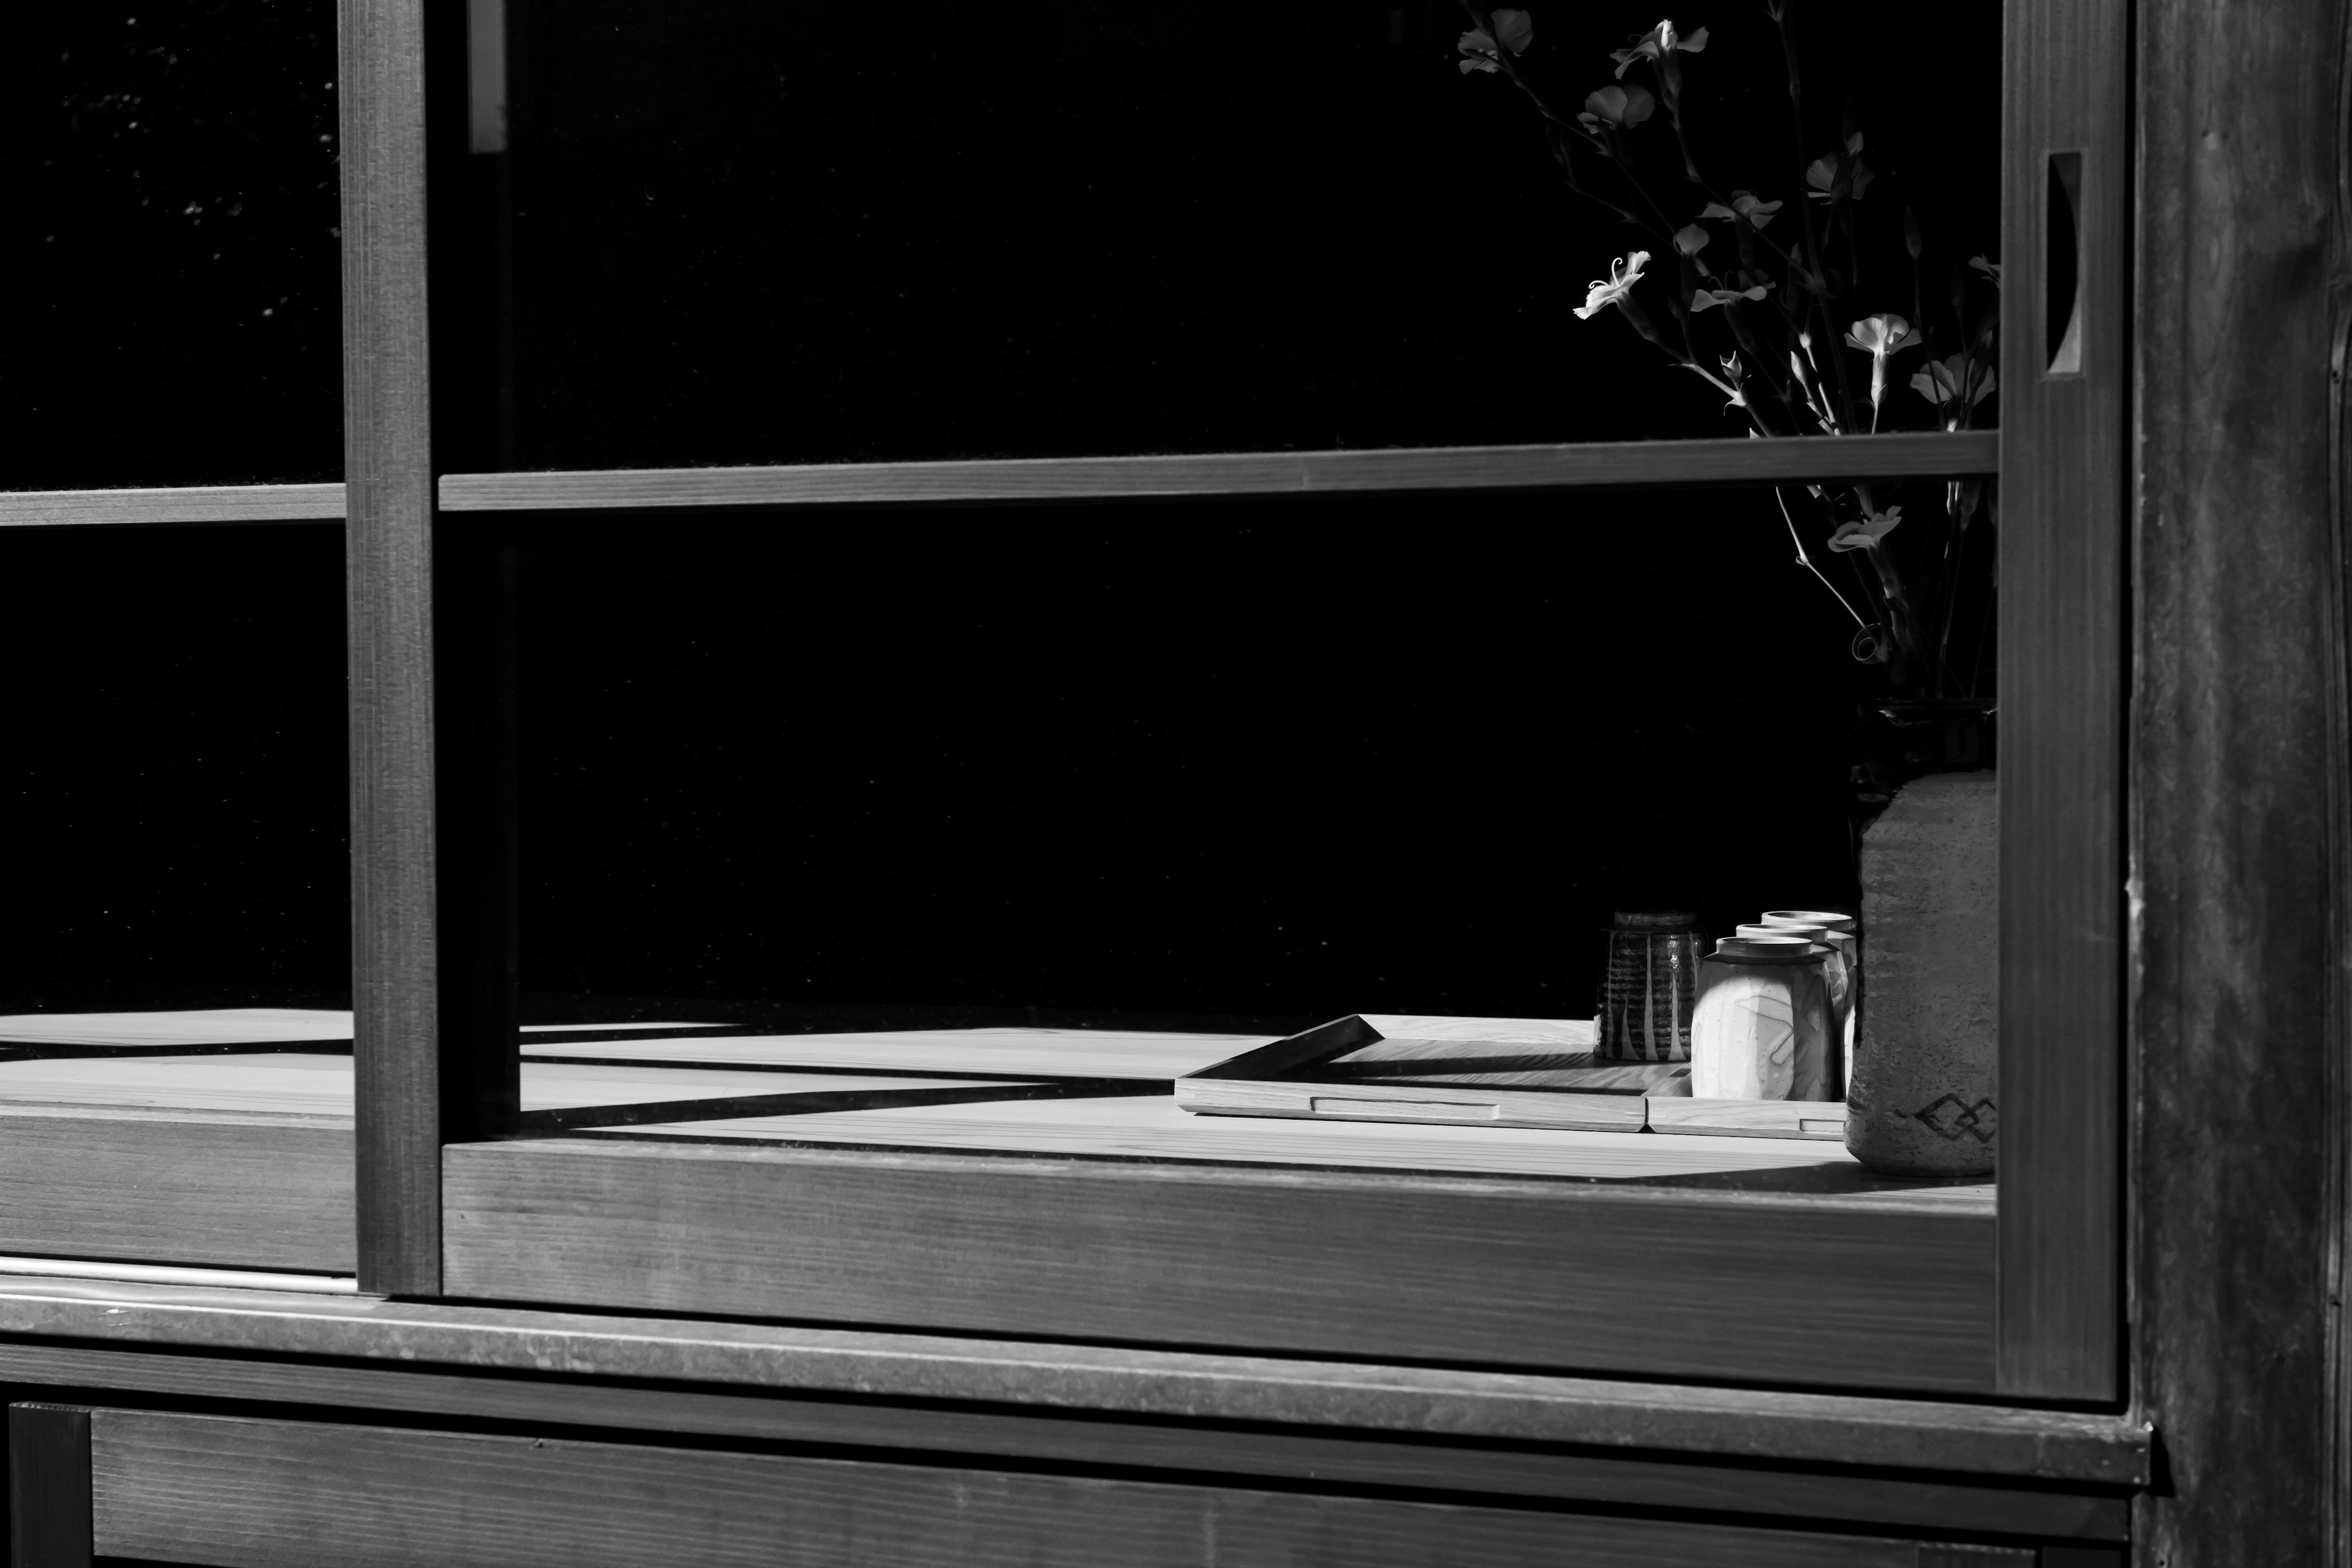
(1226, 767)
(173, 248)
(176, 1024)
(175, 800)
(760, 233)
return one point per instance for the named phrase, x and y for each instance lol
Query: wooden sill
(907, 1184)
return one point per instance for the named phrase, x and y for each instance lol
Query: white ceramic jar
(1845, 935)
(1838, 970)
(1761, 1029)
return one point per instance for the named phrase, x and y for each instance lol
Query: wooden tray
(1498, 1072)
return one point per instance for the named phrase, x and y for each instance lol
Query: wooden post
(2062, 382)
(48, 1486)
(2239, 769)
(388, 470)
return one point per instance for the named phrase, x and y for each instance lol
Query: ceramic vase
(1921, 1096)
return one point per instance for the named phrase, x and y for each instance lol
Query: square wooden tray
(1496, 1072)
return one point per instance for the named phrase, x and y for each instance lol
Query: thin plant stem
(1806, 561)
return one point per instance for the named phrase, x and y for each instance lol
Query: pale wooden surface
(1711, 461)
(232, 1025)
(1155, 1128)
(324, 1334)
(1172, 1448)
(1864, 1290)
(265, 1493)
(1052, 1053)
(185, 503)
(1123, 1127)
(203, 1026)
(298, 1084)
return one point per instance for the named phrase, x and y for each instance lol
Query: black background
(172, 789)
(1236, 763)
(745, 232)
(1249, 763)
(171, 250)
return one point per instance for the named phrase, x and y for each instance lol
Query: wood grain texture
(1831, 1291)
(1191, 1449)
(260, 1494)
(48, 1486)
(387, 448)
(1153, 1128)
(2062, 648)
(224, 1190)
(2238, 775)
(191, 503)
(1595, 464)
(2058, 1447)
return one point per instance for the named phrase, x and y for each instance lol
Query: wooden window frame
(424, 931)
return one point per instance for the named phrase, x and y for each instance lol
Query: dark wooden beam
(2238, 767)
(271, 1332)
(48, 1486)
(1177, 1449)
(388, 468)
(210, 1489)
(2068, 179)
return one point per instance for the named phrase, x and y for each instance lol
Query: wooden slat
(2240, 772)
(193, 503)
(258, 1494)
(1193, 1449)
(226, 1190)
(388, 466)
(1596, 464)
(2063, 1447)
(2061, 643)
(1829, 1292)
(48, 1486)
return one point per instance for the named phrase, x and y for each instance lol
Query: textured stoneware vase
(1921, 1098)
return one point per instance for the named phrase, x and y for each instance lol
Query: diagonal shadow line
(566, 1119)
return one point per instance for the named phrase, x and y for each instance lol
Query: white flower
(1603, 292)
(1879, 336)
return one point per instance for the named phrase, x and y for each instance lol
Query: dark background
(1246, 764)
(744, 231)
(1251, 763)
(171, 251)
(171, 791)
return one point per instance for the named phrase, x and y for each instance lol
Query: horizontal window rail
(1928, 455)
(188, 503)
